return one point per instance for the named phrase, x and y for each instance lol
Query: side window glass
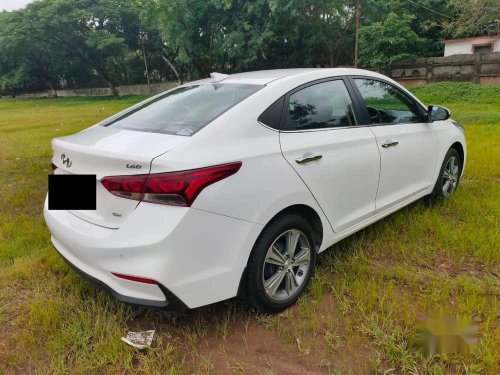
(386, 104)
(323, 105)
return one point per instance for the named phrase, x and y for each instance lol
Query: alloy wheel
(450, 176)
(286, 265)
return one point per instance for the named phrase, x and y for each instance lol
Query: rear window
(185, 110)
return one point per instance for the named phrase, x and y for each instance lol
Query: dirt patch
(467, 266)
(226, 338)
(256, 349)
(9, 331)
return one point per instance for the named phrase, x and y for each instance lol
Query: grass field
(359, 315)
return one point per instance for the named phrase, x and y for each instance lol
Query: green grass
(360, 313)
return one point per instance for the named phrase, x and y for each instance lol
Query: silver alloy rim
(450, 176)
(286, 265)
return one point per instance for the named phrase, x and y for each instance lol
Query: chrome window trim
(268, 127)
(325, 129)
(315, 130)
(334, 128)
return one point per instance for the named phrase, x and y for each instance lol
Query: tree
(384, 42)
(93, 33)
(83, 43)
(231, 36)
(152, 34)
(313, 33)
(24, 63)
(474, 17)
(194, 31)
(429, 17)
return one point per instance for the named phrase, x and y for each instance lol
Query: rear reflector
(134, 278)
(172, 188)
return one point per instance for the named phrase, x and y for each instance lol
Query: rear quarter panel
(265, 184)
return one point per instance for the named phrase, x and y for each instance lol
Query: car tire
(449, 175)
(278, 272)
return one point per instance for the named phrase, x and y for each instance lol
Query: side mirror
(437, 113)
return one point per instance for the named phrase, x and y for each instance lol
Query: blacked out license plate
(72, 192)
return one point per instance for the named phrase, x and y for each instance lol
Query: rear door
(407, 144)
(336, 158)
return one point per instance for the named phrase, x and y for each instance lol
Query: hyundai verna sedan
(232, 185)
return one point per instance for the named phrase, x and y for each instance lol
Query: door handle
(390, 144)
(307, 159)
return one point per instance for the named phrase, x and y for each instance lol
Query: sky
(13, 4)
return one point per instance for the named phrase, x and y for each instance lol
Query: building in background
(473, 45)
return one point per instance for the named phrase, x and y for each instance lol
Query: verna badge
(134, 166)
(66, 160)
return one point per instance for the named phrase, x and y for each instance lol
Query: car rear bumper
(123, 298)
(195, 257)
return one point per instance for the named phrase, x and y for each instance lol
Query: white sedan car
(232, 185)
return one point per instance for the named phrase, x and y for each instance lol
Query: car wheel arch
(307, 213)
(460, 149)
(303, 210)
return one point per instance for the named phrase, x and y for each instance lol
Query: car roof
(263, 77)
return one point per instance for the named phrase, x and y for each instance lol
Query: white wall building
(472, 45)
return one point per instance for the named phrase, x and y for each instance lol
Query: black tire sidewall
(255, 291)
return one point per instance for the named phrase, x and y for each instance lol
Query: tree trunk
(356, 42)
(146, 65)
(196, 64)
(169, 63)
(107, 78)
(52, 91)
(114, 91)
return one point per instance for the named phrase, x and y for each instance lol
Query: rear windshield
(185, 110)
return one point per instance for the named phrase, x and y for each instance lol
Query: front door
(338, 160)
(407, 144)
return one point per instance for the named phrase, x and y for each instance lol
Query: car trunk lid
(106, 152)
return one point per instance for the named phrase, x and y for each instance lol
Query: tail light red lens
(172, 188)
(126, 186)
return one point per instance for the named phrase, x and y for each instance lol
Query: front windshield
(185, 110)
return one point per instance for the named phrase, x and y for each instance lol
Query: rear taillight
(126, 186)
(173, 188)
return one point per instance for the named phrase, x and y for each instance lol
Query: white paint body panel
(408, 167)
(189, 251)
(199, 253)
(344, 181)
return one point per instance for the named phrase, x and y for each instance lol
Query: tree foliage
(474, 17)
(54, 44)
(387, 41)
